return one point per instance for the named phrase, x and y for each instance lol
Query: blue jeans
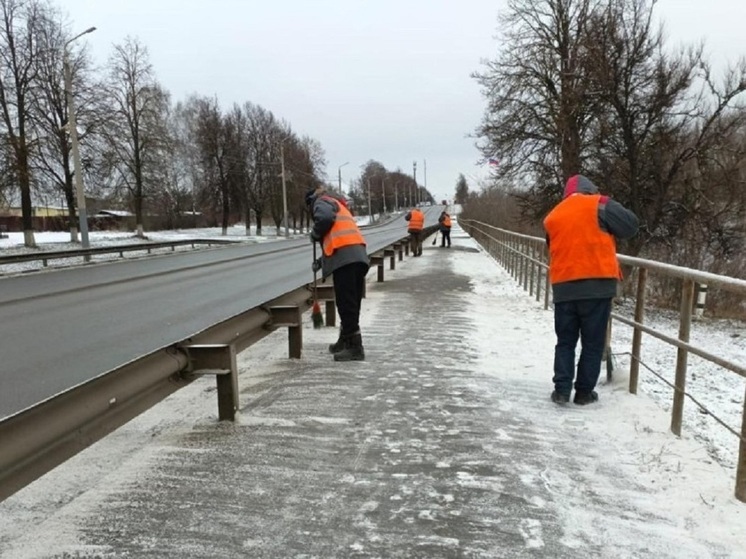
(585, 319)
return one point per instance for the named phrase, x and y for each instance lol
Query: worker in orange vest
(445, 229)
(416, 220)
(584, 271)
(345, 257)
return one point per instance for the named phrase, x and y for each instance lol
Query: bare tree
(264, 135)
(136, 133)
(19, 54)
(539, 106)
(212, 135)
(661, 119)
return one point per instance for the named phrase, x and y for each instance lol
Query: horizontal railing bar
(58, 254)
(738, 369)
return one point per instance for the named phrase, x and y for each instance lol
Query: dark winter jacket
(323, 211)
(613, 218)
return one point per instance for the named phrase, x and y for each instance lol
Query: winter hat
(581, 184)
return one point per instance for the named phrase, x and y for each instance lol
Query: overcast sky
(382, 79)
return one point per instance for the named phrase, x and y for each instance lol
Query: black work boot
(560, 398)
(353, 350)
(585, 398)
(339, 345)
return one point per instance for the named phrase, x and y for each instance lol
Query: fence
(526, 259)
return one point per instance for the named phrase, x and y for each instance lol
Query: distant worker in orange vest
(583, 269)
(445, 229)
(345, 257)
(416, 220)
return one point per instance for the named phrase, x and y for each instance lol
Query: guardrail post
(634, 368)
(325, 292)
(378, 261)
(741, 468)
(289, 316)
(399, 250)
(391, 254)
(331, 313)
(685, 322)
(218, 360)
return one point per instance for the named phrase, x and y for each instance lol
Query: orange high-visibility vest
(447, 221)
(416, 220)
(578, 247)
(344, 232)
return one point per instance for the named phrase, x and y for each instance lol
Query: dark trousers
(586, 319)
(446, 237)
(349, 286)
(415, 242)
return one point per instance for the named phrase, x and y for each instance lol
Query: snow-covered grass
(719, 391)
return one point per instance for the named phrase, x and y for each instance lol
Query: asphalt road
(61, 328)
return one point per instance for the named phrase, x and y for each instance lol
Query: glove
(314, 237)
(316, 266)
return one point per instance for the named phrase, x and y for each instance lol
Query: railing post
(607, 356)
(391, 253)
(220, 360)
(524, 264)
(532, 269)
(634, 368)
(331, 313)
(699, 308)
(547, 287)
(741, 468)
(685, 322)
(289, 316)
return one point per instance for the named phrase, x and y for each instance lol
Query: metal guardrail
(526, 259)
(36, 440)
(86, 253)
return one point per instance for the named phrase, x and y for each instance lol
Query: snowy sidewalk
(443, 443)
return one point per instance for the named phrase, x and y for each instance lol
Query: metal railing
(41, 437)
(86, 253)
(526, 259)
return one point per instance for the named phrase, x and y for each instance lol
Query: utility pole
(370, 207)
(396, 195)
(425, 171)
(339, 176)
(383, 191)
(284, 190)
(72, 128)
(416, 190)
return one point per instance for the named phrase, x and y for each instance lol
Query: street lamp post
(73, 131)
(370, 206)
(416, 190)
(284, 188)
(339, 175)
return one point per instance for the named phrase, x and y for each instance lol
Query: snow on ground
(720, 391)
(694, 475)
